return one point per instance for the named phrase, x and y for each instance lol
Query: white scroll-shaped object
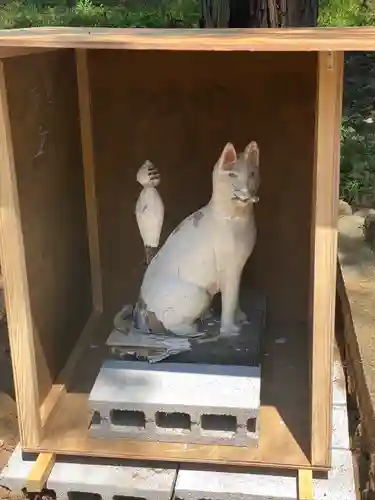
(149, 209)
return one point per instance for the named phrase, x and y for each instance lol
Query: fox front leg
(229, 303)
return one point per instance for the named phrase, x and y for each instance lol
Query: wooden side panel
(178, 110)
(20, 321)
(324, 242)
(43, 107)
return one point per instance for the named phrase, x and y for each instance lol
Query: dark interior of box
(177, 109)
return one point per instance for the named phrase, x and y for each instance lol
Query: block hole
(79, 495)
(171, 421)
(121, 497)
(251, 425)
(96, 419)
(205, 498)
(127, 418)
(45, 493)
(222, 423)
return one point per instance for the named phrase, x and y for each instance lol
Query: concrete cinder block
(109, 481)
(340, 428)
(178, 385)
(213, 485)
(339, 385)
(178, 402)
(340, 484)
(340, 423)
(175, 434)
(14, 474)
(100, 477)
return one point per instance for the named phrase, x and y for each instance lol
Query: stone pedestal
(207, 394)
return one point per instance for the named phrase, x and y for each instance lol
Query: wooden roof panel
(286, 39)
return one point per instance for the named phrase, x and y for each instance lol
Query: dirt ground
(357, 261)
(358, 266)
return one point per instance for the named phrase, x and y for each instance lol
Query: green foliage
(163, 14)
(345, 13)
(357, 176)
(357, 180)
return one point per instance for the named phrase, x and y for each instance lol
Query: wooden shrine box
(81, 109)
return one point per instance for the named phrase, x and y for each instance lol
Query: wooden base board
(284, 417)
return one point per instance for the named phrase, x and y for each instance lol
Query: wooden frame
(41, 416)
(89, 166)
(265, 39)
(327, 175)
(40, 472)
(17, 293)
(305, 485)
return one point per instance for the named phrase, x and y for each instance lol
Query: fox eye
(232, 174)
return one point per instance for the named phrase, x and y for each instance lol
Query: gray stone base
(211, 485)
(209, 394)
(176, 402)
(101, 477)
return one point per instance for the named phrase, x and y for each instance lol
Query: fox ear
(228, 157)
(251, 154)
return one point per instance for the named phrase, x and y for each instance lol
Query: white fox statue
(205, 255)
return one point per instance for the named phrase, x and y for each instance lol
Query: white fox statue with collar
(205, 254)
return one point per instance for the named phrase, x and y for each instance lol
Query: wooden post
(17, 296)
(305, 484)
(324, 248)
(40, 472)
(84, 95)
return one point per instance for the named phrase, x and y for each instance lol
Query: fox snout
(242, 194)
